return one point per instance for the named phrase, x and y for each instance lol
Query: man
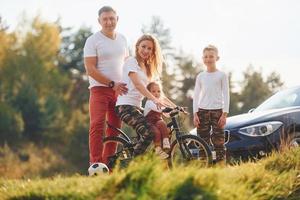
(104, 54)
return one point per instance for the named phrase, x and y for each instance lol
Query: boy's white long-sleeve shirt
(211, 91)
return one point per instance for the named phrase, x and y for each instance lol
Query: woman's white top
(133, 96)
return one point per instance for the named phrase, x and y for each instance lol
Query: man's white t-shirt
(110, 55)
(211, 91)
(150, 105)
(133, 96)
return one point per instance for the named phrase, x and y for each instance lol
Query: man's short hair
(106, 9)
(211, 48)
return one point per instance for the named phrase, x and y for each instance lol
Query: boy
(211, 102)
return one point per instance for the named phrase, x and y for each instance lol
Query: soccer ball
(98, 168)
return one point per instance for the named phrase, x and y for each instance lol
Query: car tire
(294, 140)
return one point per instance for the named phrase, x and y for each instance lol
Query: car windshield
(286, 98)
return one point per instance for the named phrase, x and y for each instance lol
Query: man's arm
(91, 70)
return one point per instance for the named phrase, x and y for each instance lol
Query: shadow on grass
(188, 190)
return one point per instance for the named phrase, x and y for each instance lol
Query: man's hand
(120, 88)
(196, 120)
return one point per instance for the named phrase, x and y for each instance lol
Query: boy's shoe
(166, 143)
(163, 155)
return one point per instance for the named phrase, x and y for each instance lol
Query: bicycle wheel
(191, 150)
(123, 153)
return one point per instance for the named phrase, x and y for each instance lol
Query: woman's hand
(159, 103)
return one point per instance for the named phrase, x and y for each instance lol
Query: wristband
(111, 84)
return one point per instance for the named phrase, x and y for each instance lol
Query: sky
(261, 33)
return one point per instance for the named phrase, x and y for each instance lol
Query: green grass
(276, 177)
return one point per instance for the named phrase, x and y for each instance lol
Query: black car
(274, 123)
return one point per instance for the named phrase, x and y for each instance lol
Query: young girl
(153, 115)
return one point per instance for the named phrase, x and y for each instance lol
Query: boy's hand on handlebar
(196, 120)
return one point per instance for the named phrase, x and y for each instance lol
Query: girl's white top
(150, 105)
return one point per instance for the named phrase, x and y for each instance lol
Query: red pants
(102, 104)
(159, 127)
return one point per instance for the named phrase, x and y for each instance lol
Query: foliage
(276, 177)
(71, 61)
(255, 89)
(28, 161)
(11, 124)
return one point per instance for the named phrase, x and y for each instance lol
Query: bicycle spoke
(122, 154)
(191, 149)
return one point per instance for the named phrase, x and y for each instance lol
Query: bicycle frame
(181, 139)
(124, 135)
(178, 135)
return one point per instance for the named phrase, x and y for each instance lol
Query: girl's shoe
(166, 144)
(163, 155)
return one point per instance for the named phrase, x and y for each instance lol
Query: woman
(138, 71)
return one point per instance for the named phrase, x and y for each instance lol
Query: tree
(185, 79)
(71, 61)
(30, 78)
(255, 89)
(234, 98)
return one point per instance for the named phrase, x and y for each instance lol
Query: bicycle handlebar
(177, 108)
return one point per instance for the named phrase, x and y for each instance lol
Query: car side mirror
(251, 110)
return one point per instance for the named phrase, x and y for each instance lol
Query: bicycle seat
(112, 127)
(170, 124)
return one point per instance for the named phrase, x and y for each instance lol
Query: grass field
(275, 177)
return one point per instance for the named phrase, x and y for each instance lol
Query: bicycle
(185, 148)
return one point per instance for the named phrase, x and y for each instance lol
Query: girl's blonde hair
(154, 63)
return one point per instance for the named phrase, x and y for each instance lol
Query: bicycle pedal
(214, 155)
(125, 162)
(111, 161)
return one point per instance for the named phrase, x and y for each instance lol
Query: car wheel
(294, 141)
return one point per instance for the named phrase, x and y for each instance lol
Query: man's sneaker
(163, 155)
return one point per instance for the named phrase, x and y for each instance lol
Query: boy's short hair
(211, 47)
(106, 9)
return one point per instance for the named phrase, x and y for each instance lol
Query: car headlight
(261, 129)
